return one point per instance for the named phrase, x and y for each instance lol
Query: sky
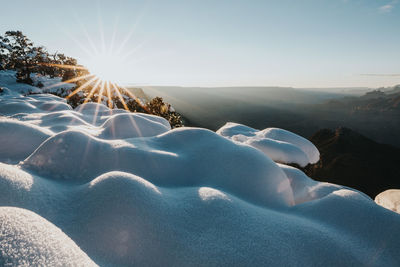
(304, 43)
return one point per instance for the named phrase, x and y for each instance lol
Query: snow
(132, 125)
(7, 80)
(51, 84)
(4, 45)
(29, 240)
(389, 199)
(278, 144)
(27, 136)
(99, 186)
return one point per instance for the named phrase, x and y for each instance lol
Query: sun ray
(100, 92)
(120, 97)
(63, 66)
(134, 50)
(137, 60)
(135, 98)
(128, 92)
(126, 107)
(100, 24)
(83, 86)
(68, 81)
(123, 43)
(81, 46)
(110, 106)
(132, 30)
(92, 91)
(113, 36)
(98, 102)
(104, 62)
(90, 41)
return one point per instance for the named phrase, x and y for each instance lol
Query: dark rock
(351, 159)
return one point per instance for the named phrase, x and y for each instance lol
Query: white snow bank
(26, 239)
(51, 84)
(93, 108)
(278, 144)
(306, 189)
(160, 160)
(18, 140)
(8, 80)
(127, 191)
(15, 104)
(389, 199)
(130, 125)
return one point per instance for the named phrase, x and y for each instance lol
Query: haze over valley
(376, 114)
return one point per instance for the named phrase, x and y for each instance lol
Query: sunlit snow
(99, 186)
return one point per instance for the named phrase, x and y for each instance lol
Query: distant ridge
(138, 92)
(351, 159)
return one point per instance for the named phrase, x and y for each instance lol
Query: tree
(18, 53)
(21, 54)
(70, 73)
(157, 107)
(4, 53)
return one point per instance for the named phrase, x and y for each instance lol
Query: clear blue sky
(310, 43)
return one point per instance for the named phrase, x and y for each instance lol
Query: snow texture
(278, 144)
(389, 199)
(99, 186)
(51, 84)
(26, 239)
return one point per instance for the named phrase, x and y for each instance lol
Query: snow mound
(18, 140)
(278, 144)
(51, 84)
(91, 108)
(29, 240)
(8, 80)
(159, 159)
(94, 185)
(126, 125)
(389, 199)
(11, 105)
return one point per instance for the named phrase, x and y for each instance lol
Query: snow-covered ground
(278, 144)
(389, 199)
(7, 79)
(99, 186)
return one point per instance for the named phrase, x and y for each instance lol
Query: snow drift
(98, 186)
(389, 199)
(29, 240)
(278, 144)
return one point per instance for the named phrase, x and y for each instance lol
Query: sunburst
(101, 76)
(104, 64)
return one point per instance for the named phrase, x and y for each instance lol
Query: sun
(107, 66)
(103, 70)
(102, 79)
